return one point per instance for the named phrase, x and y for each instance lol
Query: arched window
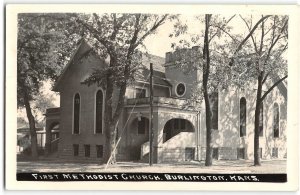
(76, 114)
(99, 111)
(276, 120)
(261, 120)
(214, 100)
(243, 111)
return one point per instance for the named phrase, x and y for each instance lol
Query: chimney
(195, 48)
(168, 57)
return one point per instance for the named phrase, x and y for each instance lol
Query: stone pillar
(158, 125)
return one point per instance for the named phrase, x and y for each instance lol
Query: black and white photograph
(168, 95)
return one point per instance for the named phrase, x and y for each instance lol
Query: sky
(160, 43)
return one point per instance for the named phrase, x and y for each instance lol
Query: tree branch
(264, 80)
(95, 32)
(221, 28)
(273, 86)
(247, 37)
(154, 27)
(262, 37)
(274, 42)
(252, 38)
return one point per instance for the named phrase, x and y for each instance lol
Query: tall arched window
(261, 120)
(242, 117)
(76, 114)
(99, 111)
(276, 120)
(214, 100)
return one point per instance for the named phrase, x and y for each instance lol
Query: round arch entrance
(175, 126)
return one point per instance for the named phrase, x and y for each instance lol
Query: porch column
(158, 126)
(155, 136)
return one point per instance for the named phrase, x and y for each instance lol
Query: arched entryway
(52, 129)
(139, 135)
(175, 126)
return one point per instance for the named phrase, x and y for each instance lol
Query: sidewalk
(220, 166)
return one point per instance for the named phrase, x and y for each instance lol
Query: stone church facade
(179, 130)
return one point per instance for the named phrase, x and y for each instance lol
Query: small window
(143, 125)
(275, 152)
(75, 149)
(99, 149)
(215, 153)
(87, 150)
(261, 120)
(140, 93)
(189, 154)
(241, 153)
(180, 89)
(276, 120)
(243, 117)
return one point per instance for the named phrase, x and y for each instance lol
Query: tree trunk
(34, 152)
(108, 119)
(208, 158)
(206, 69)
(111, 120)
(256, 121)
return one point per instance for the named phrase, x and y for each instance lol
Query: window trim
(103, 105)
(73, 113)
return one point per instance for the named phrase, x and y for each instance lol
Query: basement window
(99, 149)
(87, 152)
(241, 153)
(215, 154)
(274, 152)
(75, 149)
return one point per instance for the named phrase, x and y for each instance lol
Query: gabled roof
(159, 78)
(281, 86)
(158, 65)
(83, 46)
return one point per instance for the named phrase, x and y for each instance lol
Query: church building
(179, 130)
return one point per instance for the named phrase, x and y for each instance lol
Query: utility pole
(151, 117)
